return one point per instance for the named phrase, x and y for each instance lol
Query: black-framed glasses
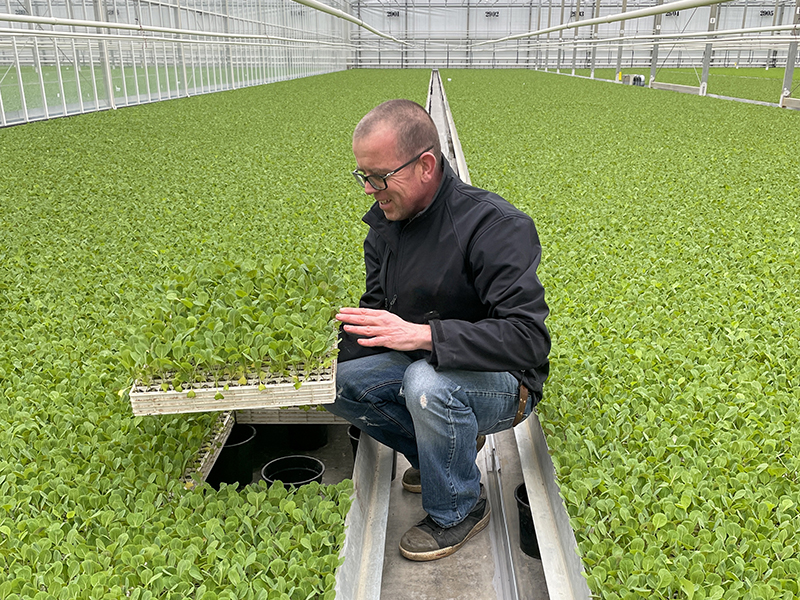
(378, 182)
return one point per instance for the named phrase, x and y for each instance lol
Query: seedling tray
(209, 452)
(317, 388)
(291, 415)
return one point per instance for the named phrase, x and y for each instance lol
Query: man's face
(404, 195)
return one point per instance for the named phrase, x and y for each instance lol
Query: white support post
(777, 17)
(404, 49)
(547, 44)
(560, 39)
(22, 98)
(58, 68)
(60, 79)
(37, 63)
(145, 62)
(166, 69)
(228, 59)
(791, 57)
(469, 51)
(654, 53)
(575, 38)
(75, 60)
(619, 48)
(538, 25)
(100, 15)
(594, 35)
(129, 12)
(181, 50)
(744, 22)
(712, 25)
(91, 63)
(122, 58)
(2, 110)
(530, 25)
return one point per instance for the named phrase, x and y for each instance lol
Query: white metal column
(791, 57)
(712, 25)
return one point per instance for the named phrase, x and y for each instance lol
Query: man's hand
(382, 328)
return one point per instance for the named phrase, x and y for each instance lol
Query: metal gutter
(359, 577)
(563, 569)
(440, 112)
(505, 580)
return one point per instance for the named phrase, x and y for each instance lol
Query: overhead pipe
(55, 21)
(699, 35)
(343, 15)
(49, 33)
(635, 14)
(171, 30)
(757, 43)
(664, 36)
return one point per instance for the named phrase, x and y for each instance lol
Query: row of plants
(671, 240)
(750, 83)
(105, 217)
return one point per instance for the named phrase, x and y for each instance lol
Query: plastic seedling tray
(318, 387)
(310, 415)
(208, 453)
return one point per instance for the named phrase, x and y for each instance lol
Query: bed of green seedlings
(671, 254)
(250, 322)
(101, 215)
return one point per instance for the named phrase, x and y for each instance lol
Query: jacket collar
(390, 230)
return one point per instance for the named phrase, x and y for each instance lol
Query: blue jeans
(432, 417)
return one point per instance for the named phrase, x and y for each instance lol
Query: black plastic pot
(354, 433)
(235, 462)
(295, 470)
(527, 533)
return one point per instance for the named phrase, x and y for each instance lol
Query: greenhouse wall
(443, 35)
(64, 57)
(185, 47)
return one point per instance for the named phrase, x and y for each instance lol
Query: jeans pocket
(500, 425)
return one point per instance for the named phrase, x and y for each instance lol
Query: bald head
(412, 125)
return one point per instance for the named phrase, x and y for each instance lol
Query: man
(451, 322)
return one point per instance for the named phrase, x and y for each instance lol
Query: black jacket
(466, 265)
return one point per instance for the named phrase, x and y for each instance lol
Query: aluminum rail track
(359, 576)
(505, 577)
(562, 565)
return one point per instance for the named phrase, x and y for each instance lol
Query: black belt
(523, 403)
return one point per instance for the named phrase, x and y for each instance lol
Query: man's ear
(428, 162)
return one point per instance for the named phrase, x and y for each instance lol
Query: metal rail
(560, 560)
(562, 564)
(623, 16)
(505, 578)
(56, 21)
(359, 577)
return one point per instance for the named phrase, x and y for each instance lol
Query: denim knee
(422, 385)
